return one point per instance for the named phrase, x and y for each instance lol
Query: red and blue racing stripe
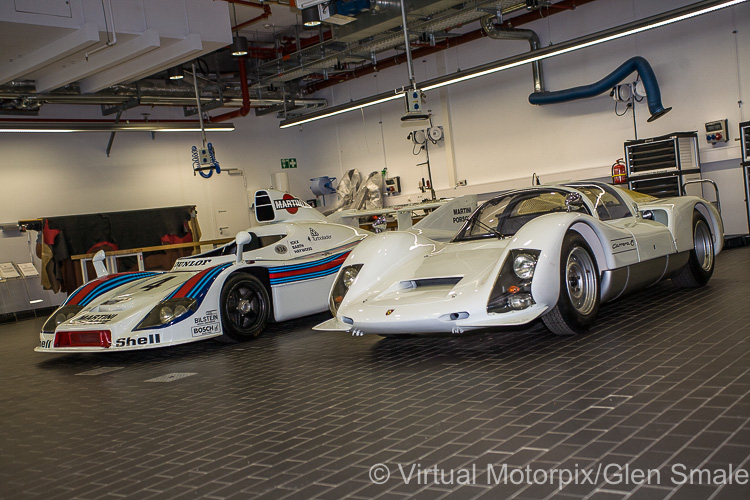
(310, 270)
(93, 289)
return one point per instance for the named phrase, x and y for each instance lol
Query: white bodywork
(409, 284)
(297, 258)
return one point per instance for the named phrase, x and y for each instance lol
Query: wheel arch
(716, 224)
(258, 272)
(593, 239)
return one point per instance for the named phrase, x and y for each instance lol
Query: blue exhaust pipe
(638, 64)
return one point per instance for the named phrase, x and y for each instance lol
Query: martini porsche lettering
(460, 215)
(154, 338)
(192, 263)
(288, 203)
(93, 319)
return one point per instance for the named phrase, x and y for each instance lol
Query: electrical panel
(717, 131)
(393, 186)
(659, 166)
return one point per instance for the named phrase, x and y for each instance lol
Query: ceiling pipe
(452, 42)
(497, 32)
(266, 14)
(245, 109)
(246, 3)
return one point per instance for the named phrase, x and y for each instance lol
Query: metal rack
(745, 146)
(659, 166)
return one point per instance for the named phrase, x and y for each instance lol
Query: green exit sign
(289, 163)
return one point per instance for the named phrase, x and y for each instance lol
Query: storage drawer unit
(660, 165)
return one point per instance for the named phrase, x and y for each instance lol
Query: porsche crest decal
(389, 312)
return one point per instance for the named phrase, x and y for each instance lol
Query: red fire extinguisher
(619, 172)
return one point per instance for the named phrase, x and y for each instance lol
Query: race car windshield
(503, 216)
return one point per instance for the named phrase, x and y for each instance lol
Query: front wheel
(245, 308)
(578, 303)
(700, 265)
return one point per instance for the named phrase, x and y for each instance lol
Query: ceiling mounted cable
(414, 98)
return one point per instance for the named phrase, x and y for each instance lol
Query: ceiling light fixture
(311, 16)
(175, 73)
(628, 29)
(19, 126)
(239, 46)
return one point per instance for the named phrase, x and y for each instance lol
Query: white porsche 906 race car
(555, 252)
(283, 270)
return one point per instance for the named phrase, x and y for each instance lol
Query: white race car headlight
(167, 312)
(524, 265)
(60, 316)
(350, 275)
(347, 277)
(512, 289)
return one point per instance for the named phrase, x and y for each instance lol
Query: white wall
(496, 137)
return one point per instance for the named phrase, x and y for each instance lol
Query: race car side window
(605, 199)
(505, 215)
(255, 243)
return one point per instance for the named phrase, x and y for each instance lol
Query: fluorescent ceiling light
(583, 42)
(64, 127)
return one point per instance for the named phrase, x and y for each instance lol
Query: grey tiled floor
(660, 385)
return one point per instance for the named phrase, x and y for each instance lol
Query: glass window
(606, 200)
(505, 215)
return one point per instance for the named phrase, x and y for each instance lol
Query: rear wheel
(578, 303)
(245, 308)
(700, 265)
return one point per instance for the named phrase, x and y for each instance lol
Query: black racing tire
(700, 265)
(245, 308)
(580, 295)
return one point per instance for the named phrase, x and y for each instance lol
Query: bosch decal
(289, 203)
(154, 338)
(206, 325)
(315, 236)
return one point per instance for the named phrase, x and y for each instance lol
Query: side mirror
(573, 201)
(99, 266)
(242, 239)
(647, 214)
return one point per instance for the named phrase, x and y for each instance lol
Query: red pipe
(451, 42)
(245, 109)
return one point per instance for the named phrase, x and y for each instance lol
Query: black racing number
(156, 284)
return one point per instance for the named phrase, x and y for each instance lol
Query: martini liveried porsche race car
(283, 270)
(554, 251)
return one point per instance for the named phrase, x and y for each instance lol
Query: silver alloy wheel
(704, 245)
(581, 282)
